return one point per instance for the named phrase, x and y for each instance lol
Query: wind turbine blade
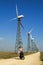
(31, 36)
(16, 11)
(30, 31)
(21, 25)
(13, 19)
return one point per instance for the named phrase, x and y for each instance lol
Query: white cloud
(1, 38)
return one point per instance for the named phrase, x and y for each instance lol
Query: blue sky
(33, 19)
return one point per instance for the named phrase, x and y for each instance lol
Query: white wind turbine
(18, 37)
(29, 41)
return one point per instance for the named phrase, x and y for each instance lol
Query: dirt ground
(33, 59)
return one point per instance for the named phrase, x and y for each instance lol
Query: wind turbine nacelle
(21, 16)
(28, 32)
(32, 38)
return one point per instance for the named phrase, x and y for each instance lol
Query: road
(33, 59)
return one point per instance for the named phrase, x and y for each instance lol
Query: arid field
(41, 56)
(11, 58)
(32, 59)
(6, 55)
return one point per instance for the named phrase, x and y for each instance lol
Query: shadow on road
(17, 58)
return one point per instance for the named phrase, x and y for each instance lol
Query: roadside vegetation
(41, 56)
(6, 55)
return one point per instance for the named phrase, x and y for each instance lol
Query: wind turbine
(34, 46)
(18, 16)
(29, 41)
(18, 37)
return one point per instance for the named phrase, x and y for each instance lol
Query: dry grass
(41, 56)
(28, 53)
(6, 55)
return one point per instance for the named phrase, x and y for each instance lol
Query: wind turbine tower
(32, 44)
(18, 36)
(29, 42)
(34, 47)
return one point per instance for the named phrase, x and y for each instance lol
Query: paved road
(33, 59)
